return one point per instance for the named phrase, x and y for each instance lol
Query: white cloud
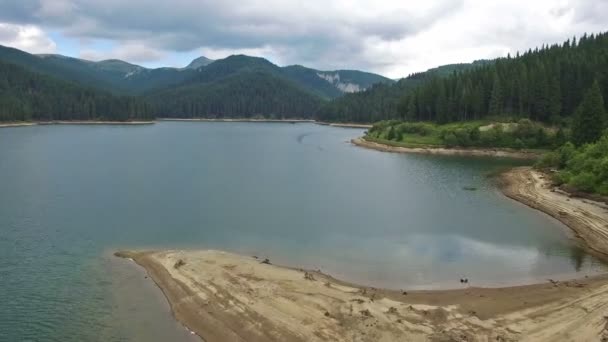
(26, 37)
(135, 52)
(386, 36)
(486, 29)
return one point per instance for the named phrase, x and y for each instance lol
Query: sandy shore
(17, 124)
(477, 152)
(345, 124)
(227, 297)
(587, 218)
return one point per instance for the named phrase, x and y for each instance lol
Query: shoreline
(94, 122)
(237, 120)
(222, 296)
(586, 218)
(75, 122)
(469, 152)
(344, 124)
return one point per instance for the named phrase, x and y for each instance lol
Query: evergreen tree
(590, 117)
(560, 138)
(391, 134)
(496, 100)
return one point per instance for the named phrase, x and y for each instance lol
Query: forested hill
(251, 93)
(26, 95)
(381, 102)
(236, 86)
(545, 84)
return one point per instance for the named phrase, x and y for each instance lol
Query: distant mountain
(238, 85)
(326, 84)
(332, 84)
(121, 77)
(242, 94)
(199, 62)
(381, 101)
(115, 75)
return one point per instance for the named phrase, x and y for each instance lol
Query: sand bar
(228, 297)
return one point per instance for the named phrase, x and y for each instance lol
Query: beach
(475, 152)
(227, 297)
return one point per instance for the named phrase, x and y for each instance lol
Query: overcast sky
(393, 38)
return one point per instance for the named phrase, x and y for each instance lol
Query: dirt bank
(228, 297)
(477, 152)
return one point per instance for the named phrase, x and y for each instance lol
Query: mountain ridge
(124, 78)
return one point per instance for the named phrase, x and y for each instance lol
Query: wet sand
(476, 152)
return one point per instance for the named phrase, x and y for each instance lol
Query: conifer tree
(590, 117)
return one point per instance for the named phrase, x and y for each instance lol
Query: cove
(299, 194)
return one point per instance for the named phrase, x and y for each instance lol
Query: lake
(299, 194)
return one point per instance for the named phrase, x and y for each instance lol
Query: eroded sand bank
(588, 219)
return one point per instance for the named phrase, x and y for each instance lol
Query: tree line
(546, 84)
(246, 94)
(382, 101)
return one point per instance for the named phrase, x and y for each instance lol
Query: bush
(566, 153)
(419, 128)
(585, 168)
(585, 181)
(450, 139)
(548, 160)
(474, 134)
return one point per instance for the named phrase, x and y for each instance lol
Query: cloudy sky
(393, 38)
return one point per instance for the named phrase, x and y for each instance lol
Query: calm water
(299, 194)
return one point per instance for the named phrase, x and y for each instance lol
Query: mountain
(332, 84)
(381, 101)
(121, 77)
(26, 95)
(199, 62)
(327, 84)
(239, 87)
(114, 75)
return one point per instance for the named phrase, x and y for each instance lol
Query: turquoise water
(296, 193)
